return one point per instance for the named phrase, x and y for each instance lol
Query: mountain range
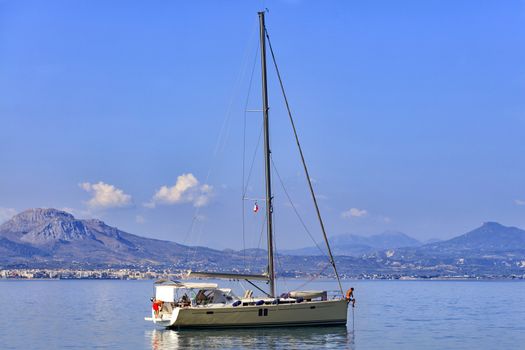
(50, 237)
(39, 238)
(355, 245)
(488, 239)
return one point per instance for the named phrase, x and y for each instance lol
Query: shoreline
(145, 273)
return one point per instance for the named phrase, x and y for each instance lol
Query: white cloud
(519, 202)
(6, 214)
(105, 195)
(150, 204)
(353, 213)
(187, 189)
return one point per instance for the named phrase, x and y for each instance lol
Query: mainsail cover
(223, 275)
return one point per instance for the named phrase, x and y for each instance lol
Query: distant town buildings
(132, 274)
(116, 274)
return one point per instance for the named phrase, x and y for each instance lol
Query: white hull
(314, 313)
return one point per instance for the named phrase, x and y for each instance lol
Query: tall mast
(269, 208)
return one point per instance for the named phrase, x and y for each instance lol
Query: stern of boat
(164, 319)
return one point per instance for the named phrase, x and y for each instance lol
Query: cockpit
(176, 294)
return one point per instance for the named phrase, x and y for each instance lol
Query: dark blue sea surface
(82, 314)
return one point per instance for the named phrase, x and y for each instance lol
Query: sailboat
(183, 305)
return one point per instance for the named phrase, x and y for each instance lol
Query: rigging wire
(295, 210)
(332, 261)
(277, 255)
(304, 226)
(311, 279)
(245, 189)
(221, 137)
(257, 253)
(244, 155)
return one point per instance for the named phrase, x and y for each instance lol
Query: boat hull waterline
(315, 313)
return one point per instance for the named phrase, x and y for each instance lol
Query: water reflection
(262, 338)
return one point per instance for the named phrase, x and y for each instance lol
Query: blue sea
(103, 314)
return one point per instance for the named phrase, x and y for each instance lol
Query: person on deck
(201, 297)
(350, 296)
(156, 305)
(185, 301)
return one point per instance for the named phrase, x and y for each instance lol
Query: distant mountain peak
(492, 227)
(42, 214)
(492, 224)
(357, 245)
(54, 237)
(392, 232)
(490, 236)
(31, 219)
(45, 225)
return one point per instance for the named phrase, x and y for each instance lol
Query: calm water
(388, 314)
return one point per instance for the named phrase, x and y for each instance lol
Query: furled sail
(222, 275)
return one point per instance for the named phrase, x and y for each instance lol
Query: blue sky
(411, 115)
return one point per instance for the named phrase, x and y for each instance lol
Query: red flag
(255, 208)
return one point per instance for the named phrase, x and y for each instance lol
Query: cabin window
(263, 312)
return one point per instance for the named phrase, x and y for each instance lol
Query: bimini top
(166, 282)
(187, 285)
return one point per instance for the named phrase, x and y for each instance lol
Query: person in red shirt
(156, 305)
